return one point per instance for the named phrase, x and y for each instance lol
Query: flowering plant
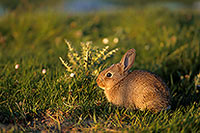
(87, 62)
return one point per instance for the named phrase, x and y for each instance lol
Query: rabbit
(139, 89)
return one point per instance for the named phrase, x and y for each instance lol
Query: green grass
(167, 43)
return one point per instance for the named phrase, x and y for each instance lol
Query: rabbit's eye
(109, 75)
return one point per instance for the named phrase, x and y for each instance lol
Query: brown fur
(138, 89)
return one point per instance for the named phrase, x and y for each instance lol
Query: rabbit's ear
(128, 60)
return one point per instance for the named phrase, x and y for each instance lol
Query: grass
(167, 43)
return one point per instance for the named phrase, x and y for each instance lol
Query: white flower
(105, 40)
(72, 75)
(17, 66)
(147, 47)
(116, 40)
(44, 71)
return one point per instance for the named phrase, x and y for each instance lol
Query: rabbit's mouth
(103, 86)
(100, 83)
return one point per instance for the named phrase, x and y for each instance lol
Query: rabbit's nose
(99, 80)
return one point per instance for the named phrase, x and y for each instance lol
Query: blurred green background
(92, 5)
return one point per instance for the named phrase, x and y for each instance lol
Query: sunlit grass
(33, 98)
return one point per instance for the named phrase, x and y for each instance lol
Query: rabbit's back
(147, 91)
